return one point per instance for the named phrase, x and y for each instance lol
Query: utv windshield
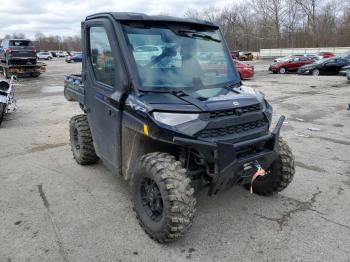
(173, 58)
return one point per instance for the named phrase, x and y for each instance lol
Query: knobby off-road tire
(2, 111)
(172, 200)
(81, 140)
(281, 173)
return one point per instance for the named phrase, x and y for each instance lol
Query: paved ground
(52, 209)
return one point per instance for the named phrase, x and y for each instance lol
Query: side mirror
(115, 99)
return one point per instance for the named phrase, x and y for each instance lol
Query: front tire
(162, 197)
(282, 70)
(315, 72)
(281, 173)
(81, 140)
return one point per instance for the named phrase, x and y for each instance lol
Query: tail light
(9, 50)
(34, 50)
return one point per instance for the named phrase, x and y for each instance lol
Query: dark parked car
(74, 58)
(345, 55)
(17, 50)
(290, 65)
(327, 66)
(53, 53)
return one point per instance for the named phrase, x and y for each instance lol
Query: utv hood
(169, 102)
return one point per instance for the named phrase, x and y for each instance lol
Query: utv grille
(235, 111)
(229, 130)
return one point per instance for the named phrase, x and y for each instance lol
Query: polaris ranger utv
(164, 107)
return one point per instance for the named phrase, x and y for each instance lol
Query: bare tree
(256, 24)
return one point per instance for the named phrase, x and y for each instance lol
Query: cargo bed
(74, 88)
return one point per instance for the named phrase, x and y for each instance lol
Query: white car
(61, 54)
(44, 55)
(143, 54)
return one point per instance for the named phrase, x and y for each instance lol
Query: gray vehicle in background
(17, 50)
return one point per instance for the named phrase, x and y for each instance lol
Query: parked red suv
(290, 65)
(245, 70)
(325, 55)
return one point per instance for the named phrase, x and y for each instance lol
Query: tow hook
(259, 172)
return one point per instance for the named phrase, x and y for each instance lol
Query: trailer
(22, 68)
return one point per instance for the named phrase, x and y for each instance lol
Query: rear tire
(281, 173)
(81, 140)
(162, 197)
(2, 111)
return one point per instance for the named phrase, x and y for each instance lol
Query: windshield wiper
(191, 34)
(232, 87)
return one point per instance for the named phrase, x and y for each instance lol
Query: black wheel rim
(76, 144)
(151, 199)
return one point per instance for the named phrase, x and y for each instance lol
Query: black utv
(165, 107)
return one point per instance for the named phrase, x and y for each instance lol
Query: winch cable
(260, 172)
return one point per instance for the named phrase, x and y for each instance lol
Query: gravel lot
(52, 209)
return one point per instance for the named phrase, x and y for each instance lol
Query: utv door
(102, 76)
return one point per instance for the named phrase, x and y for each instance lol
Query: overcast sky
(63, 17)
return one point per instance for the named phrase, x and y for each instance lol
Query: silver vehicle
(7, 98)
(44, 55)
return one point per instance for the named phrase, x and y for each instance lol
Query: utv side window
(102, 59)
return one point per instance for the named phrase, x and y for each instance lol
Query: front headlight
(251, 91)
(174, 119)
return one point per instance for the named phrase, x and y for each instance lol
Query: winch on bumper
(230, 166)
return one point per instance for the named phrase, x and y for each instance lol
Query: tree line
(256, 24)
(46, 43)
(251, 25)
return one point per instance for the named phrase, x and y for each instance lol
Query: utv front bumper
(231, 166)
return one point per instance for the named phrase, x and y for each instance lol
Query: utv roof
(127, 16)
(17, 39)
